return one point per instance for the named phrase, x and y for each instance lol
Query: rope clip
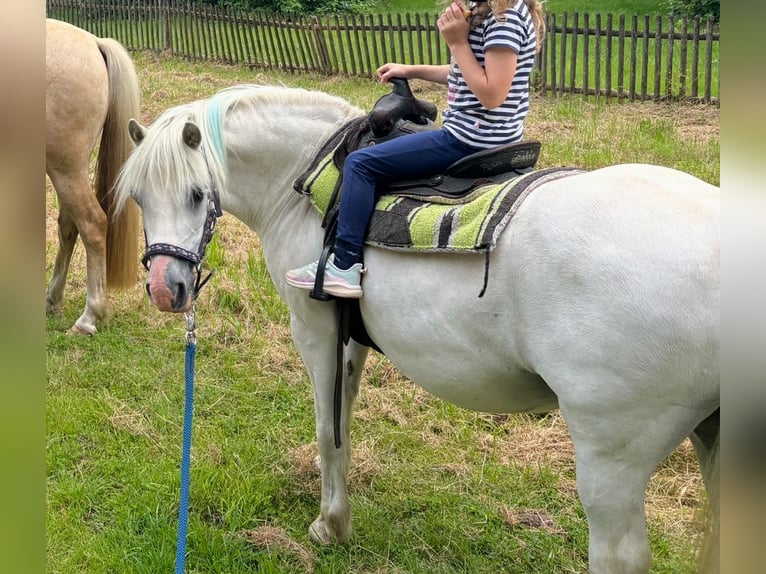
(191, 336)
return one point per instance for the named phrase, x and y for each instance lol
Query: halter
(213, 213)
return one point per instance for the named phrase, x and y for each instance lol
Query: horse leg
(616, 455)
(704, 439)
(334, 521)
(83, 215)
(67, 233)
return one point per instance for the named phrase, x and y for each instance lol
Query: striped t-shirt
(466, 118)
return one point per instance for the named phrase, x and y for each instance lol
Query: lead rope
(183, 510)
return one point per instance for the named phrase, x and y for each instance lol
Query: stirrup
(318, 292)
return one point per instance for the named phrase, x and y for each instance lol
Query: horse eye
(197, 195)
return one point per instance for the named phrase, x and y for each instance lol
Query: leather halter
(213, 213)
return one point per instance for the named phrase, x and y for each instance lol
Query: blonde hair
(498, 8)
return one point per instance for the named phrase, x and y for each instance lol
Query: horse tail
(116, 145)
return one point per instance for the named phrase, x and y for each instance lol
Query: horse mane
(161, 160)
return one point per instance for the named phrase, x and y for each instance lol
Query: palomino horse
(602, 299)
(91, 89)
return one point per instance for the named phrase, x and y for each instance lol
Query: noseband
(213, 213)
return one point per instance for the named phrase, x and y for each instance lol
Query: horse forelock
(162, 163)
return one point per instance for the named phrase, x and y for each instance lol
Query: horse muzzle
(170, 284)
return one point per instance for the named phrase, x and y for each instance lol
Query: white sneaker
(339, 282)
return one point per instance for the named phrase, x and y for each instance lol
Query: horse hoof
(318, 533)
(77, 330)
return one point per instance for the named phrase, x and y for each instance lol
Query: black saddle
(399, 106)
(400, 113)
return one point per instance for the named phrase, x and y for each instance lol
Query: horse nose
(176, 294)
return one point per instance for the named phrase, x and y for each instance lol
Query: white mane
(163, 163)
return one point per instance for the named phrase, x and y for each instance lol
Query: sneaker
(339, 282)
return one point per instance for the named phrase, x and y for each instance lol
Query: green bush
(298, 6)
(691, 8)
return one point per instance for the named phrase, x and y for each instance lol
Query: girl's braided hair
(498, 7)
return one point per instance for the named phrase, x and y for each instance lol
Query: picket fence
(596, 55)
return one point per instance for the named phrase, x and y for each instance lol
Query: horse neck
(269, 144)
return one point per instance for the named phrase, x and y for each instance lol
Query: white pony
(602, 298)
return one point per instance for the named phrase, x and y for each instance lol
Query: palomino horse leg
(616, 455)
(80, 212)
(67, 233)
(334, 521)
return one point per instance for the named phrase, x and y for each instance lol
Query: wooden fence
(627, 58)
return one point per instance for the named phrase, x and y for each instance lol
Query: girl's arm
(430, 73)
(490, 84)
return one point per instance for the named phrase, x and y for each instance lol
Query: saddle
(400, 113)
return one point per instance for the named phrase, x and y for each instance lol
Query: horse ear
(191, 134)
(137, 131)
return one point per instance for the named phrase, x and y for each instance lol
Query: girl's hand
(392, 70)
(452, 24)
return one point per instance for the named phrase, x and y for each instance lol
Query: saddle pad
(432, 223)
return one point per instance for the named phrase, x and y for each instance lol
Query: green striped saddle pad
(420, 220)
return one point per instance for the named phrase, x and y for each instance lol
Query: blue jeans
(415, 155)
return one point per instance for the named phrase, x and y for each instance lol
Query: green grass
(431, 485)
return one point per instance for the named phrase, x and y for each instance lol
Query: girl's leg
(415, 155)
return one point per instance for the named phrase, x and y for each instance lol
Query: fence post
(324, 57)
(164, 10)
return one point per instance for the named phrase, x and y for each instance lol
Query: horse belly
(470, 386)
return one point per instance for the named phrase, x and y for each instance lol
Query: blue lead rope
(183, 510)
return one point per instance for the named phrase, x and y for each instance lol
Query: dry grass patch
(675, 496)
(530, 518)
(530, 440)
(274, 539)
(126, 419)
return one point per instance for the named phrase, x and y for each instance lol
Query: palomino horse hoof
(318, 533)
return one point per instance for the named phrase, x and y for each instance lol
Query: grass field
(434, 488)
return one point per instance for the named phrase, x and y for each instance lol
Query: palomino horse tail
(116, 145)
